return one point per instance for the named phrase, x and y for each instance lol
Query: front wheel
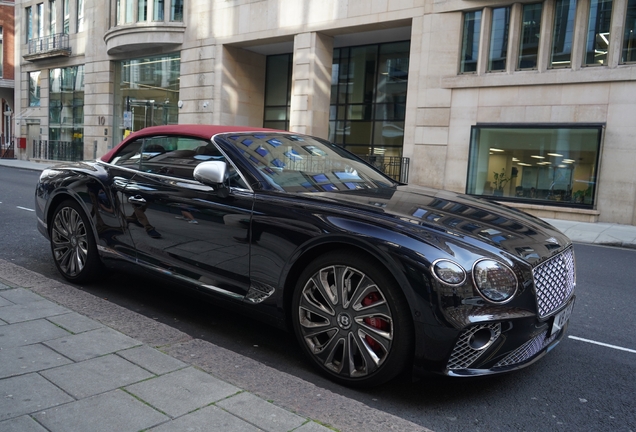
(73, 244)
(352, 320)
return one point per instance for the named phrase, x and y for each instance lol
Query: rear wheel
(352, 320)
(73, 244)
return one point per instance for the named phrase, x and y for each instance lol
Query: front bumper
(498, 347)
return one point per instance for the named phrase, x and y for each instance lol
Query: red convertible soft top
(193, 130)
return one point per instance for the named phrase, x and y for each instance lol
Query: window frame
(474, 150)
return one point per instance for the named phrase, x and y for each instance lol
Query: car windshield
(295, 163)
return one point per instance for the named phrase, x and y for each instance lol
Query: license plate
(561, 318)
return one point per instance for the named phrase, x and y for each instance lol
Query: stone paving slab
(30, 311)
(202, 421)
(29, 333)
(92, 344)
(27, 359)
(75, 323)
(4, 302)
(94, 376)
(26, 394)
(183, 391)
(21, 424)
(261, 413)
(20, 296)
(115, 411)
(152, 360)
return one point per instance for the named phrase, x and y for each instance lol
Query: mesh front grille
(463, 355)
(554, 281)
(527, 350)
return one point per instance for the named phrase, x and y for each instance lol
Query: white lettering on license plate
(561, 318)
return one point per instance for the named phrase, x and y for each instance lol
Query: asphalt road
(579, 386)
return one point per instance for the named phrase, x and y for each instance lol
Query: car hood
(454, 218)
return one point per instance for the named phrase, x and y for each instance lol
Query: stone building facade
(528, 103)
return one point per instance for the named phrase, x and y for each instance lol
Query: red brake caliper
(378, 323)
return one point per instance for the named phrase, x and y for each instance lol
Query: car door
(184, 228)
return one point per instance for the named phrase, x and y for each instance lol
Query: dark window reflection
(598, 32)
(470, 42)
(368, 98)
(498, 52)
(629, 39)
(563, 33)
(530, 30)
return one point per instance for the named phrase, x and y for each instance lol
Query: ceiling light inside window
(537, 157)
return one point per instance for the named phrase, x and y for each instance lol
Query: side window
(129, 156)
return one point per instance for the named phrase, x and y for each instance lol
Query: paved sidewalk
(62, 371)
(579, 232)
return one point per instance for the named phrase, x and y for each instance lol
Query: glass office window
(368, 98)
(598, 32)
(80, 15)
(40, 20)
(29, 23)
(142, 10)
(147, 93)
(176, 10)
(67, 16)
(34, 89)
(278, 91)
(498, 51)
(52, 17)
(66, 103)
(629, 38)
(552, 165)
(530, 31)
(470, 42)
(158, 10)
(1, 52)
(129, 11)
(563, 33)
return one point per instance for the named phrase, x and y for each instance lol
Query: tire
(73, 245)
(352, 320)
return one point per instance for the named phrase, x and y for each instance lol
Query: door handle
(136, 200)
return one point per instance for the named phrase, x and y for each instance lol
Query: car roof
(193, 130)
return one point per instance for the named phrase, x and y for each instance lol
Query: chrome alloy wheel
(69, 241)
(345, 321)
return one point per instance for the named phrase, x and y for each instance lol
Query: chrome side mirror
(212, 173)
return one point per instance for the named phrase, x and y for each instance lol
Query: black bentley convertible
(373, 276)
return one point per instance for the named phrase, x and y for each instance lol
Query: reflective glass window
(530, 31)
(148, 93)
(629, 39)
(368, 98)
(563, 33)
(158, 10)
(176, 10)
(66, 113)
(598, 32)
(278, 91)
(80, 15)
(67, 16)
(552, 165)
(29, 23)
(40, 20)
(52, 17)
(142, 10)
(498, 52)
(34, 88)
(470, 42)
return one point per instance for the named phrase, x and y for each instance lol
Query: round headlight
(495, 281)
(449, 272)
